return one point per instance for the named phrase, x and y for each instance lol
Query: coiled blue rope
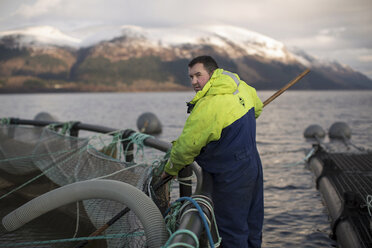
(201, 214)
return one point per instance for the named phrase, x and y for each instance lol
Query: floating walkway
(345, 182)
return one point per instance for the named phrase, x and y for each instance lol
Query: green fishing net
(36, 160)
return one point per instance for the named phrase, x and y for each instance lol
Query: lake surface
(294, 213)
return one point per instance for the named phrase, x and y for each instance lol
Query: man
(220, 135)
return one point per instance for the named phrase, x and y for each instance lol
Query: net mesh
(35, 160)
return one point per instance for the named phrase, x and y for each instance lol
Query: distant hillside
(156, 60)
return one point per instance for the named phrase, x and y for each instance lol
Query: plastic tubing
(136, 200)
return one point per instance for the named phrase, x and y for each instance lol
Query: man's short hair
(208, 62)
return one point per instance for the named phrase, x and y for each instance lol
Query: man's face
(198, 76)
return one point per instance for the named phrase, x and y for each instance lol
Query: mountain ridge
(158, 57)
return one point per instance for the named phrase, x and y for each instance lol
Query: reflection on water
(294, 213)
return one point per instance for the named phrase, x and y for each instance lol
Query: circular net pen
(54, 159)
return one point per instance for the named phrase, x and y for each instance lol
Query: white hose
(133, 198)
(199, 176)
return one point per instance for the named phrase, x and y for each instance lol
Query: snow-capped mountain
(222, 37)
(233, 41)
(41, 35)
(123, 55)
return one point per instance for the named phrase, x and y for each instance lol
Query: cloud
(286, 18)
(40, 7)
(332, 31)
(316, 26)
(365, 58)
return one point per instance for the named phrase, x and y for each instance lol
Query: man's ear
(210, 74)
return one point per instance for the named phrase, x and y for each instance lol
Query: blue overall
(235, 165)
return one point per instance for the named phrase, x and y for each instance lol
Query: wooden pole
(279, 92)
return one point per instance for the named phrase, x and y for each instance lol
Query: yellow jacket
(223, 100)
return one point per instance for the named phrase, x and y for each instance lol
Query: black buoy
(339, 130)
(148, 123)
(314, 131)
(44, 116)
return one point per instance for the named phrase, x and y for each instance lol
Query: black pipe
(74, 131)
(127, 145)
(151, 142)
(206, 188)
(37, 123)
(186, 188)
(191, 220)
(158, 144)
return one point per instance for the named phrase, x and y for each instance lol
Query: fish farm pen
(60, 189)
(105, 190)
(343, 175)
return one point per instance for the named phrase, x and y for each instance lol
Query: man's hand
(166, 175)
(164, 178)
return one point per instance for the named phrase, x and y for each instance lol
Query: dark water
(294, 213)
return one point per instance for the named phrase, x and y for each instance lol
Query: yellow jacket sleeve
(201, 127)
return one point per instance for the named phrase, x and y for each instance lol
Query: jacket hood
(218, 84)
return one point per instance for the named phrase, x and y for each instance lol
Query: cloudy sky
(331, 29)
